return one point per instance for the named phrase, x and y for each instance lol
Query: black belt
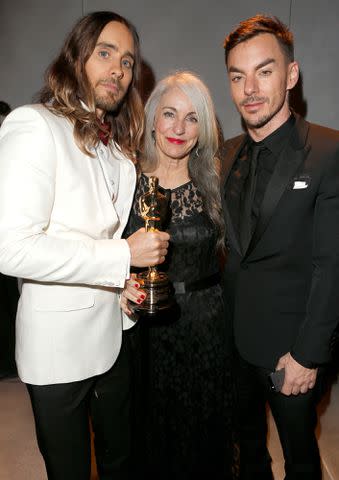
(206, 282)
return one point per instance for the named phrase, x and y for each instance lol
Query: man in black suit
(281, 207)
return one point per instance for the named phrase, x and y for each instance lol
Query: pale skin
(260, 80)
(110, 71)
(176, 133)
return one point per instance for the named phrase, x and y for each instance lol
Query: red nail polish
(142, 297)
(139, 301)
(136, 285)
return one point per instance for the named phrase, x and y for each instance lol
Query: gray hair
(202, 164)
(197, 92)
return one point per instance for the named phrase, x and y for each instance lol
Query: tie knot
(256, 149)
(255, 153)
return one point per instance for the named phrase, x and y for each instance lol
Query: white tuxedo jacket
(60, 233)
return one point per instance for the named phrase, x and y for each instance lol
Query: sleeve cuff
(303, 362)
(114, 260)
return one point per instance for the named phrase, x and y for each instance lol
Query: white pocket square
(300, 184)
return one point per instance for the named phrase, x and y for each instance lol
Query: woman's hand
(131, 292)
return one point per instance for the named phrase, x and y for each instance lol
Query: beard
(108, 103)
(111, 101)
(264, 118)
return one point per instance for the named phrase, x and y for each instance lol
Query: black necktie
(246, 230)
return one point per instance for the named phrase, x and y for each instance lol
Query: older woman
(188, 393)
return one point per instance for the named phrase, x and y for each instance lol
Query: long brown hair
(66, 85)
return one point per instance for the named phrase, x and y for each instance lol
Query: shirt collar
(277, 139)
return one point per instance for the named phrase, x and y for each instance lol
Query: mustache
(253, 99)
(110, 81)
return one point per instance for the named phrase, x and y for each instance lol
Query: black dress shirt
(270, 149)
(237, 183)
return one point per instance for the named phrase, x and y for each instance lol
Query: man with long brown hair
(67, 182)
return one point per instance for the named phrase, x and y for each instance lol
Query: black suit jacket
(284, 290)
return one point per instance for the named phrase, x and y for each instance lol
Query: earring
(153, 136)
(196, 153)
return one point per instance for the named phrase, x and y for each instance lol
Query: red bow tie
(104, 132)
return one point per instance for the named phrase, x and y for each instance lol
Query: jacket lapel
(230, 154)
(287, 165)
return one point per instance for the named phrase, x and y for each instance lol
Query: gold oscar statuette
(153, 207)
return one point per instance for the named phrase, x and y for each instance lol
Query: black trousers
(62, 412)
(295, 418)
(9, 296)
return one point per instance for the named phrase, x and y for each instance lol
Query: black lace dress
(186, 400)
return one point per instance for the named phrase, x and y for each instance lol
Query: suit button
(244, 266)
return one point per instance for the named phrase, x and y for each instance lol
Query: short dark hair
(257, 25)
